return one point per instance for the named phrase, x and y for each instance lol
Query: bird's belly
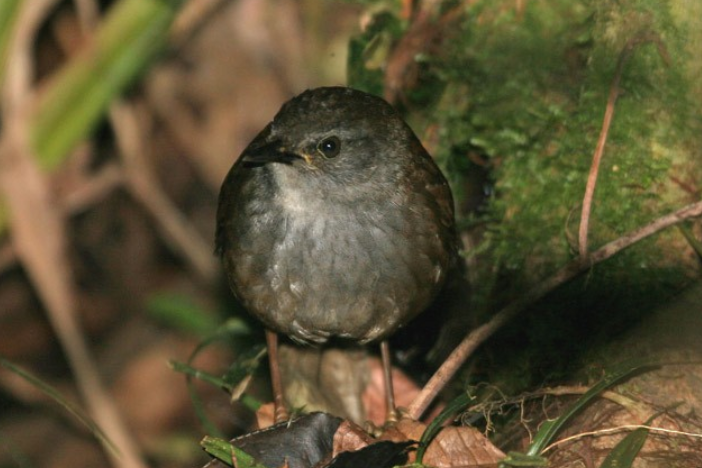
(337, 275)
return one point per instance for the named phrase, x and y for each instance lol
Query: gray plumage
(335, 221)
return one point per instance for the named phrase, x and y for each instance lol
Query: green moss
(525, 92)
(369, 50)
(538, 86)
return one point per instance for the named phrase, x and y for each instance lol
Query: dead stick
(606, 124)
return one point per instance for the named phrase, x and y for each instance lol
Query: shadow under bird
(335, 222)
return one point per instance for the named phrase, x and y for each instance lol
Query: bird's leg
(390, 412)
(281, 414)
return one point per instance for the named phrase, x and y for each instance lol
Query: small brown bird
(335, 222)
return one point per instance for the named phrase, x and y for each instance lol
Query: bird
(335, 223)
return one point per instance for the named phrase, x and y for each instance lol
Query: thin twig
(88, 15)
(623, 428)
(572, 269)
(193, 18)
(85, 195)
(638, 409)
(614, 91)
(145, 187)
(139, 176)
(92, 190)
(422, 34)
(16, 90)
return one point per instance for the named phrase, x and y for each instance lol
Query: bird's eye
(329, 147)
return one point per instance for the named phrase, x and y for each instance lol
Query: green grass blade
(229, 330)
(181, 313)
(8, 15)
(242, 370)
(55, 395)
(199, 374)
(77, 97)
(520, 460)
(218, 448)
(457, 404)
(625, 452)
(225, 452)
(548, 431)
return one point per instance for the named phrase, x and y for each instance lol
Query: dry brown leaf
(265, 415)
(405, 429)
(456, 447)
(350, 437)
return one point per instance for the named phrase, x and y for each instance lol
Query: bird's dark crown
(333, 106)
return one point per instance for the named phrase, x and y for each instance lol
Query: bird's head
(337, 131)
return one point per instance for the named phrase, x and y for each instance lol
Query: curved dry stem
(614, 89)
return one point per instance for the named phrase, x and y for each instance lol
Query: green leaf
(234, 327)
(198, 374)
(55, 395)
(549, 429)
(180, 312)
(241, 371)
(624, 453)
(77, 97)
(226, 452)
(218, 448)
(516, 459)
(458, 404)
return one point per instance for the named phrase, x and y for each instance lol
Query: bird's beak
(268, 152)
